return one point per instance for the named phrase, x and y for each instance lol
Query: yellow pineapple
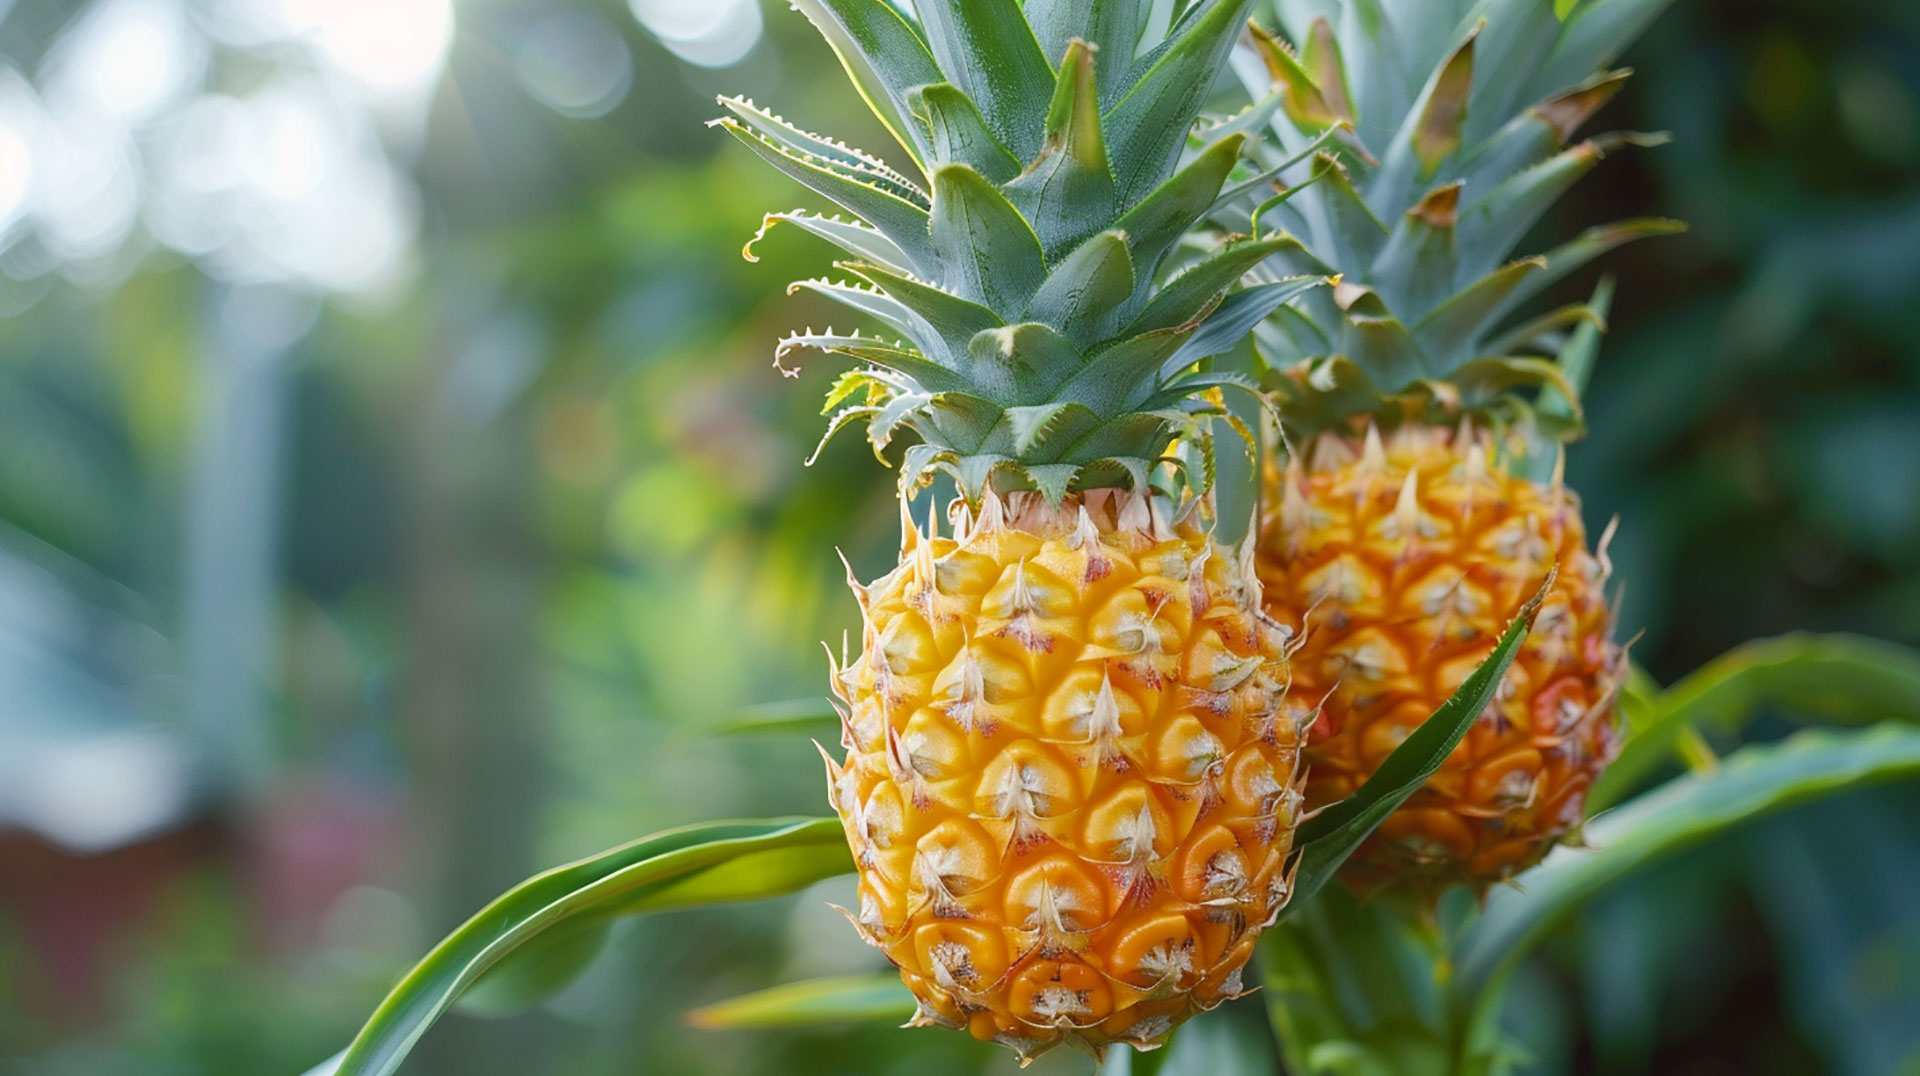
(1071, 777)
(1429, 140)
(1070, 786)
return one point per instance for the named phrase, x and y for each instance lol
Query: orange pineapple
(1411, 550)
(1405, 559)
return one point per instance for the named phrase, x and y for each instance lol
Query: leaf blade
(811, 1002)
(655, 873)
(1841, 678)
(1751, 782)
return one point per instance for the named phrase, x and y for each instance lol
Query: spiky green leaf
(1148, 127)
(903, 223)
(884, 57)
(990, 253)
(986, 48)
(1086, 287)
(956, 131)
(1068, 189)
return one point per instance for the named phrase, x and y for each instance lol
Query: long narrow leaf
(1148, 127)
(884, 57)
(715, 863)
(813, 716)
(902, 222)
(846, 999)
(1843, 679)
(1330, 837)
(1750, 783)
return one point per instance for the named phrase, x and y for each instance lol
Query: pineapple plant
(1070, 782)
(1071, 790)
(1421, 500)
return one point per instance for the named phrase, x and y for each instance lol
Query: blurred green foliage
(538, 521)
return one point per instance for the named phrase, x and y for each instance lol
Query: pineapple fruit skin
(1072, 777)
(1404, 559)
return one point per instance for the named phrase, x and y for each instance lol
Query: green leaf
(1589, 245)
(1536, 335)
(1843, 679)
(1052, 479)
(927, 373)
(1348, 227)
(537, 970)
(860, 240)
(903, 223)
(1230, 322)
(1199, 285)
(1683, 813)
(1486, 379)
(991, 254)
(958, 133)
(1119, 373)
(1355, 982)
(1111, 26)
(1490, 228)
(1163, 217)
(713, 863)
(1331, 836)
(814, 716)
(1022, 362)
(886, 309)
(1067, 191)
(845, 999)
(954, 318)
(1539, 132)
(1085, 287)
(1148, 128)
(1033, 430)
(1301, 99)
(883, 56)
(986, 48)
(826, 151)
(1595, 35)
(1385, 350)
(1415, 268)
(1449, 332)
(1562, 407)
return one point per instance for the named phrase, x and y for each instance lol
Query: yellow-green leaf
(838, 1000)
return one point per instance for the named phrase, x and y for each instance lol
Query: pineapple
(1071, 777)
(1423, 504)
(1406, 558)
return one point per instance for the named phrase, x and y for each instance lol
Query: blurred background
(395, 492)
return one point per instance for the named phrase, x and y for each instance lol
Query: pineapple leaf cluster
(1034, 342)
(1455, 125)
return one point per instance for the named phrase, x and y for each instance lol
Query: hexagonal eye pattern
(1071, 780)
(1401, 615)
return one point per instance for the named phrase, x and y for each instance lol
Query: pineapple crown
(1454, 125)
(1058, 170)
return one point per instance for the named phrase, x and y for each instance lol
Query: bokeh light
(708, 33)
(575, 63)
